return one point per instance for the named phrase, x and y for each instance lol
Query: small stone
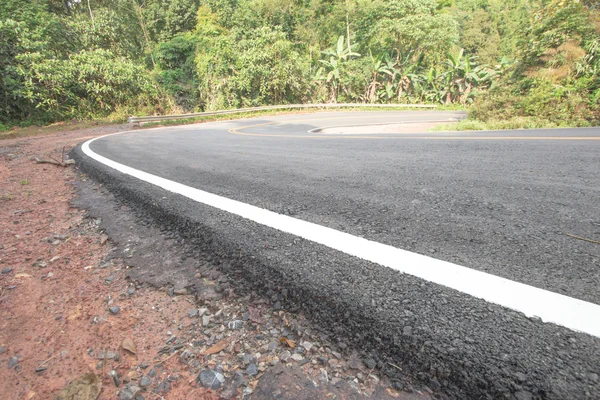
(305, 361)
(152, 373)
(297, 357)
(277, 306)
(205, 320)
(129, 392)
(235, 325)
(109, 355)
(192, 312)
(407, 331)
(247, 359)
(523, 395)
(145, 381)
(114, 310)
(202, 311)
(232, 385)
(285, 356)
(323, 377)
(2, 350)
(7, 271)
(521, 377)
(13, 362)
(370, 363)
(434, 384)
(252, 370)
(210, 379)
(354, 362)
(322, 360)
(180, 291)
(115, 377)
(109, 278)
(307, 346)
(163, 387)
(130, 291)
(171, 339)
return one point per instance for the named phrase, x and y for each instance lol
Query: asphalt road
(506, 203)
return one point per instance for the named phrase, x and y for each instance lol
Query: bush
(89, 84)
(559, 104)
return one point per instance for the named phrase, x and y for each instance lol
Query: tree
(479, 37)
(409, 26)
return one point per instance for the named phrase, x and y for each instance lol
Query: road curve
(393, 237)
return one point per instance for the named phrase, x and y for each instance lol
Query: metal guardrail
(137, 120)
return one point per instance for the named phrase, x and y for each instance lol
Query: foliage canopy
(532, 59)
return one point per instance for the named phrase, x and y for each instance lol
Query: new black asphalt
(500, 202)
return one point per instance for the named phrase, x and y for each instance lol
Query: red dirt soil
(54, 302)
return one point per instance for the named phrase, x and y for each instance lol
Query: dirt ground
(73, 326)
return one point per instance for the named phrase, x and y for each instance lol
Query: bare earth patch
(70, 314)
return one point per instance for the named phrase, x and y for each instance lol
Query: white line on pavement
(551, 307)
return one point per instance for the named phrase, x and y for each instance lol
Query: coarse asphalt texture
(502, 202)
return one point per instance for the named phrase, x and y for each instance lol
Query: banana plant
(334, 64)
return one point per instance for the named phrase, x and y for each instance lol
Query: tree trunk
(140, 16)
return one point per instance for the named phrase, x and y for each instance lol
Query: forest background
(511, 63)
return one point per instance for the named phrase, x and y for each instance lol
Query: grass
(25, 182)
(493, 125)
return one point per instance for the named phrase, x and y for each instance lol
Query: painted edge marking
(550, 307)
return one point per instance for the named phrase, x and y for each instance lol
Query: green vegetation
(512, 63)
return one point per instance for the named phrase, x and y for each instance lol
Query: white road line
(551, 307)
